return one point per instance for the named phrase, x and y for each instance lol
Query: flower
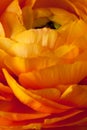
(43, 64)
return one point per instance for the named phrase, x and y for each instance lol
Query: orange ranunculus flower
(43, 63)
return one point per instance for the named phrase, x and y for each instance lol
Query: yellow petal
(2, 32)
(54, 75)
(29, 64)
(44, 37)
(20, 49)
(3, 54)
(15, 8)
(12, 13)
(61, 16)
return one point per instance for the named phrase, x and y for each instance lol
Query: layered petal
(75, 95)
(32, 100)
(43, 64)
(52, 76)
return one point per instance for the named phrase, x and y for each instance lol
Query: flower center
(51, 25)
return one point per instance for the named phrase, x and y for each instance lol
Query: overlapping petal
(43, 63)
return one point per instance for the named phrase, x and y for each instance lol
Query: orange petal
(12, 13)
(77, 120)
(54, 75)
(22, 116)
(81, 26)
(5, 89)
(75, 95)
(6, 123)
(62, 16)
(62, 118)
(48, 93)
(2, 57)
(32, 100)
(11, 110)
(15, 8)
(44, 37)
(71, 32)
(67, 51)
(82, 56)
(5, 92)
(81, 6)
(5, 44)
(29, 2)
(65, 4)
(2, 78)
(20, 49)
(11, 28)
(27, 13)
(2, 32)
(29, 64)
(3, 5)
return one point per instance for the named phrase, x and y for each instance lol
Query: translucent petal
(29, 64)
(52, 76)
(44, 37)
(20, 49)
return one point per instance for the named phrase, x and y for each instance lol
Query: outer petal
(32, 100)
(12, 13)
(5, 92)
(75, 95)
(4, 4)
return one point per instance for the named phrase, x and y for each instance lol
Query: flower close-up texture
(43, 64)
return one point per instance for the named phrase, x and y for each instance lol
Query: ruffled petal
(52, 76)
(32, 100)
(28, 64)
